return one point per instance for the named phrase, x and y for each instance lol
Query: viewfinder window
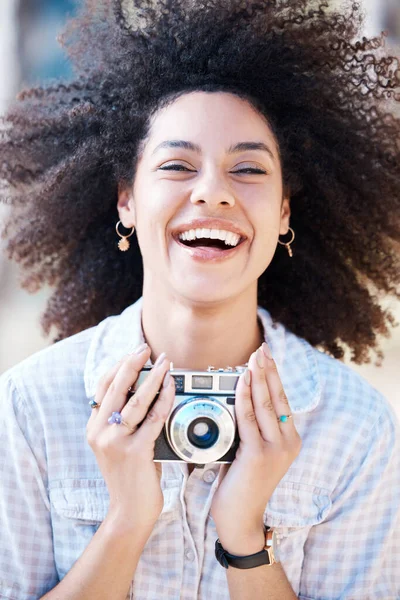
(228, 383)
(202, 382)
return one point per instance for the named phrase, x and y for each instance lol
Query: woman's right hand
(125, 458)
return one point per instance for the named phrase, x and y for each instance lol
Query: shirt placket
(196, 496)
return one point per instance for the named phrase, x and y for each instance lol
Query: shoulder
(340, 417)
(352, 421)
(66, 370)
(346, 392)
(316, 383)
(59, 364)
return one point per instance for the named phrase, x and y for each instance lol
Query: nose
(212, 190)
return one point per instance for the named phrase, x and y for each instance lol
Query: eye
(250, 171)
(175, 167)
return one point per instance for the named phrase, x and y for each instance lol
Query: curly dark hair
(330, 98)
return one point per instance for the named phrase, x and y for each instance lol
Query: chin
(208, 293)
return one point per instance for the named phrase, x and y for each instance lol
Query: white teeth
(230, 238)
(235, 239)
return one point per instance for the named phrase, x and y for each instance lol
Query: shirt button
(189, 555)
(209, 476)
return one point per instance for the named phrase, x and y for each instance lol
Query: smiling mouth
(209, 239)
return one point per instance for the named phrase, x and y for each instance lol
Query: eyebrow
(240, 147)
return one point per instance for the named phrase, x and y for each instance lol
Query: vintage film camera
(201, 427)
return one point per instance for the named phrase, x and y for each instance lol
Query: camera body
(201, 427)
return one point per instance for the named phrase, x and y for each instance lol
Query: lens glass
(203, 432)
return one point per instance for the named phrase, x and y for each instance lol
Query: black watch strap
(266, 556)
(241, 562)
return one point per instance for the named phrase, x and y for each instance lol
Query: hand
(125, 457)
(266, 450)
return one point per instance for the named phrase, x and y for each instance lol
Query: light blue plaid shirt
(336, 511)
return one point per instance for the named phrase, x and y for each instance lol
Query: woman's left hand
(266, 450)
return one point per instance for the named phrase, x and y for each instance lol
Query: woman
(251, 149)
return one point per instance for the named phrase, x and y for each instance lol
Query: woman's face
(209, 170)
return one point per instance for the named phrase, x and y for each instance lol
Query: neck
(197, 336)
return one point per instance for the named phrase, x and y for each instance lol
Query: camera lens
(203, 432)
(200, 429)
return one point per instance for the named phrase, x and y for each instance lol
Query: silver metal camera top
(227, 369)
(211, 369)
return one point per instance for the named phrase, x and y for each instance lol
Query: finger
(223, 471)
(137, 406)
(277, 392)
(152, 425)
(101, 390)
(248, 430)
(262, 401)
(115, 397)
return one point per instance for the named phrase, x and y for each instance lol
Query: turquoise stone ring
(284, 418)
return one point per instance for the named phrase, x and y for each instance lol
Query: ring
(116, 418)
(284, 418)
(93, 404)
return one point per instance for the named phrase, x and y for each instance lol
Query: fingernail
(260, 358)
(266, 350)
(160, 359)
(167, 379)
(139, 349)
(247, 377)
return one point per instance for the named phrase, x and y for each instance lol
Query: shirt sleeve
(27, 569)
(355, 553)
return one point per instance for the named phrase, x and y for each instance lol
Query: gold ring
(93, 404)
(127, 426)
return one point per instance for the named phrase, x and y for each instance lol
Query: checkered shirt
(336, 511)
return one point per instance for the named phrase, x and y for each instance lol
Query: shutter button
(209, 476)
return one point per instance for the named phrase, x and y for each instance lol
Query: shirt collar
(295, 359)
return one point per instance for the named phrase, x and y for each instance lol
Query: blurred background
(29, 55)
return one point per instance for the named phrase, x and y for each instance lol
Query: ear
(126, 206)
(285, 216)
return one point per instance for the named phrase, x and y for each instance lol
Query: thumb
(223, 471)
(159, 470)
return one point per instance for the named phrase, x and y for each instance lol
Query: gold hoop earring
(123, 243)
(287, 244)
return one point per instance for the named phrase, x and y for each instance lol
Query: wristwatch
(266, 556)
